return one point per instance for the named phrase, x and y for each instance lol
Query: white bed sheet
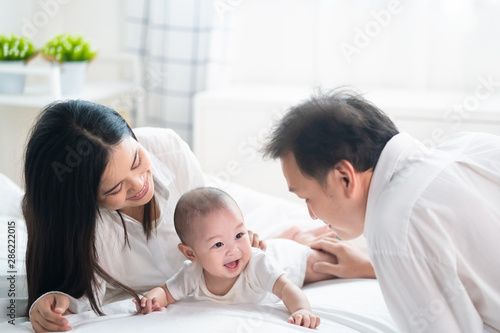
(353, 305)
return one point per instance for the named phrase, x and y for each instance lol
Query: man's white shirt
(433, 228)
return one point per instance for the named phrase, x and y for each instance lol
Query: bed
(344, 305)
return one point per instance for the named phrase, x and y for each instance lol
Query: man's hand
(351, 261)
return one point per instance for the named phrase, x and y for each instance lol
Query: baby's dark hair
(199, 202)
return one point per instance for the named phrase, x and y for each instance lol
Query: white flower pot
(72, 77)
(11, 83)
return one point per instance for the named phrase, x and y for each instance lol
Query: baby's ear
(187, 251)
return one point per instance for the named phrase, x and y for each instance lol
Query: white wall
(426, 44)
(40, 20)
(100, 21)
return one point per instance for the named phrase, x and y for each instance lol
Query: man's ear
(187, 251)
(343, 174)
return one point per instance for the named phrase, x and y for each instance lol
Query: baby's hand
(147, 305)
(304, 318)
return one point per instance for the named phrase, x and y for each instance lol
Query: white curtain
(179, 42)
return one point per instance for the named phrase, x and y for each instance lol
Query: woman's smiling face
(127, 179)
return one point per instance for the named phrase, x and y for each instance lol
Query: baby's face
(221, 243)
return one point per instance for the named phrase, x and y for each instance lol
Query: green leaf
(15, 48)
(69, 47)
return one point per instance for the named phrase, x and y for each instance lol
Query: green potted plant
(14, 52)
(72, 52)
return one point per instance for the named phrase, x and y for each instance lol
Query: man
(431, 217)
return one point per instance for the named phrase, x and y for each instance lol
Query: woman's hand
(255, 240)
(351, 261)
(47, 315)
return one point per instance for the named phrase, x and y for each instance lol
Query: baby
(223, 266)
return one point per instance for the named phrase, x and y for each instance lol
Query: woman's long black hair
(67, 152)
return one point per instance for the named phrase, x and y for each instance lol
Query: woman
(99, 224)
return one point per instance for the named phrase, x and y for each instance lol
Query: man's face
(333, 203)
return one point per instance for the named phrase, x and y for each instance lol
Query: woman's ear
(343, 174)
(187, 251)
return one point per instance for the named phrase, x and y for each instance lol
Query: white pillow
(13, 238)
(10, 198)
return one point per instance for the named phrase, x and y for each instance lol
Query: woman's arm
(47, 313)
(296, 302)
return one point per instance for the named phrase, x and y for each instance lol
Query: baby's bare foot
(306, 236)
